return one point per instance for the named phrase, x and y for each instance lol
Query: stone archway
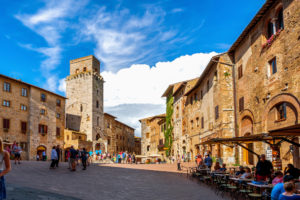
(246, 129)
(269, 119)
(39, 151)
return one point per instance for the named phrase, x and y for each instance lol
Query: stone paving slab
(34, 180)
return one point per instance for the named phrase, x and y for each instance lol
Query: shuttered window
(241, 104)
(23, 127)
(6, 123)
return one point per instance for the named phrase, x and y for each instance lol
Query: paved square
(34, 180)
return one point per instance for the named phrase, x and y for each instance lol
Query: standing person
(84, 154)
(53, 157)
(73, 156)
(69, 159)
(178, 163)
(44, 155)
(58, 155)
(264, 168)
(4, 169)
(37, 157)
(208, 161)
(17, 151)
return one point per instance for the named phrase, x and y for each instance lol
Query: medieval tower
(84, 91)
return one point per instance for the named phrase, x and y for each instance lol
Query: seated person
(289, 194)
(223, 168)
(278, 178)
(240, 172)
(291, 170)
(247, 174)
(279, 189)
(217, 166)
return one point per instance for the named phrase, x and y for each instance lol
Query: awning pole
(290, 141)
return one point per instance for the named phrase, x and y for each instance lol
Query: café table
(241, 179)
(262, 188)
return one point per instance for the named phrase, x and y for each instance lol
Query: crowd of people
(283, 182)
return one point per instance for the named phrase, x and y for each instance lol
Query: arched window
(270, 29)
(279, 21)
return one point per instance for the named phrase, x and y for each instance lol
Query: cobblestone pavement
(34, 180)
(155, 167)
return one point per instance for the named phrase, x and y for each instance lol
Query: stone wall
(263, 90)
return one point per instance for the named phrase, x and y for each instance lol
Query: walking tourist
(208, 161)
(279, 187)
(84, 155)
(289, 193)
(53, 158)
(68, 154)
(291, 170)
(264, 168)
(4, 169)
(44, 156)
(178, 163)
(37, 157)
(58, 155)
(73, 156)
(17, 151)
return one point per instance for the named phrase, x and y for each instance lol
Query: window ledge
(270, 40)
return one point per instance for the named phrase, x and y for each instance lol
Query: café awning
(293, 130)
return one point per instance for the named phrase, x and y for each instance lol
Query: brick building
(137, 145)
(32, 116)
(120, 137)
(84, 105)
(209, 111)
(153, 138)
(177, 91)
(267, 58)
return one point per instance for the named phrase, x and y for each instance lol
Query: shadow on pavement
(24, 193)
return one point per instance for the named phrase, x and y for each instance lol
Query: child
(289, 192)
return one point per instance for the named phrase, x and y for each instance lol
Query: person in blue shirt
(289, 194)
(278, 189)
(208, 161)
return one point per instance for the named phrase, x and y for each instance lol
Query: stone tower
(84, 91)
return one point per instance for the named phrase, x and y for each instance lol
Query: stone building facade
(31, 116)
(153, 139)
(84, 106)
(267, 73)
(209, 110)
(177, 91)
(120, 137)
(137, 145)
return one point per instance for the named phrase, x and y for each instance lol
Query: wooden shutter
(240, 71)
(46, 129)
(241, 104)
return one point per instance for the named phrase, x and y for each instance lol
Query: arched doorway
(247, 130)
(41, 151)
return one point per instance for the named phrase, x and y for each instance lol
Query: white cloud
(62, 85)
(134, 93)
(177, 10)
(49, 22)
(142, 84)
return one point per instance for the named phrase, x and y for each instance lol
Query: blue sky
(153, 42)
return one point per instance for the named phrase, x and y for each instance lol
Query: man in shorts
(17, 151)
